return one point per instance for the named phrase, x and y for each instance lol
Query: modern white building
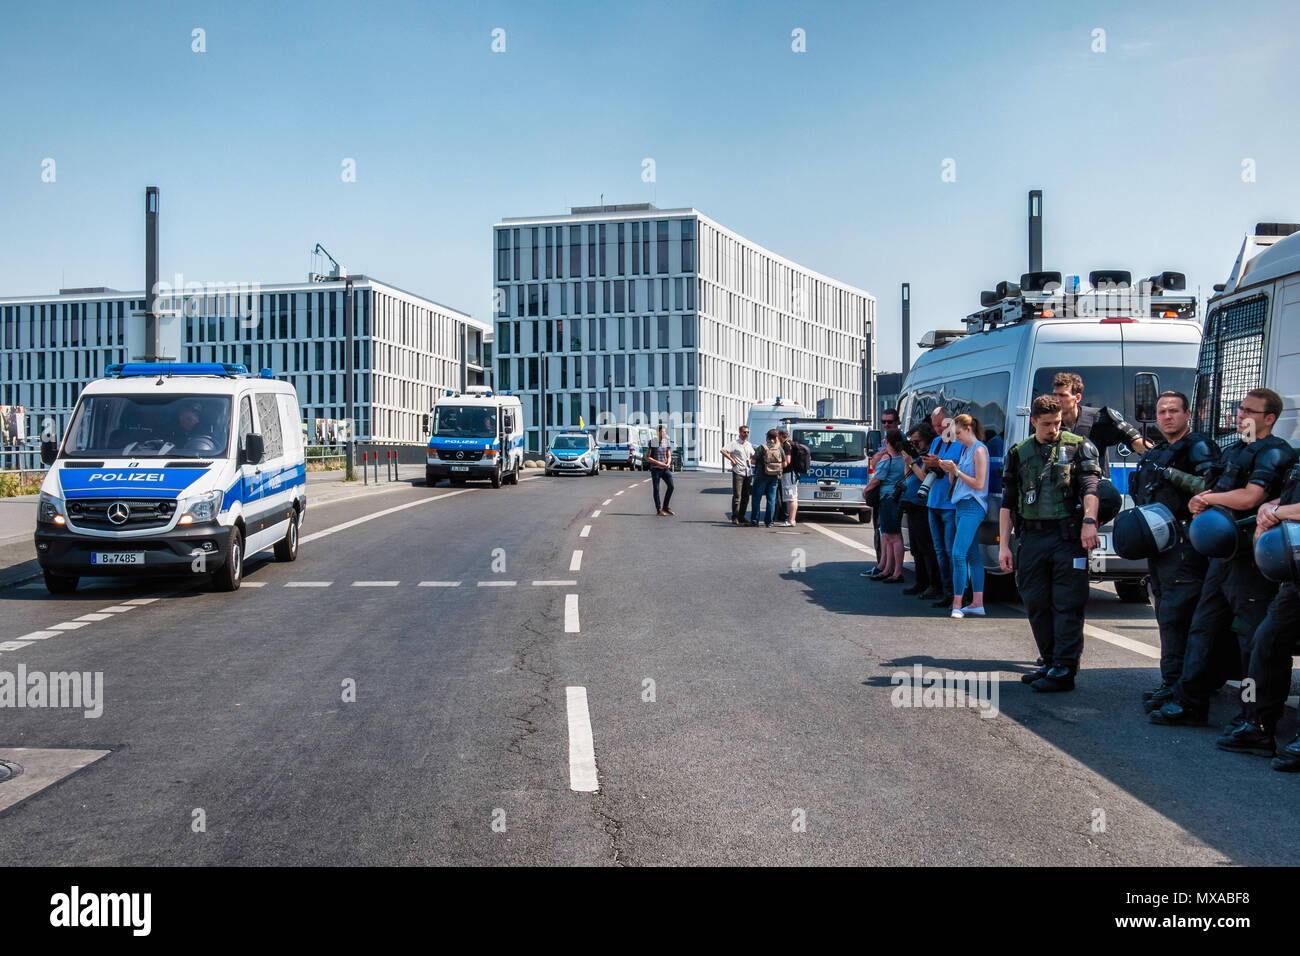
(406, 348)
(664, 314)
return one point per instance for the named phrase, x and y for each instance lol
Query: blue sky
(831, 157)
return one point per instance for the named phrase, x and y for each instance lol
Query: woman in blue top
(891, 473)
(970, 494)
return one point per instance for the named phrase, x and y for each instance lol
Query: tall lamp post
(348, 373)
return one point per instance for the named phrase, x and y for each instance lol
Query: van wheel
(60, 584)
(864, 516)
(231, 574)
(287, 548)
(496, 477)
(1132, 592)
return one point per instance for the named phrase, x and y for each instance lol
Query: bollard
(376, 467)
(365, 475)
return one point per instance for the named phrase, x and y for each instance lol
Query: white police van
(475, 435)
(764, 416)
(1128, 343)
(840, 467)
(171, 468)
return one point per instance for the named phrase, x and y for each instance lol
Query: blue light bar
(132, 369)
(266, 373)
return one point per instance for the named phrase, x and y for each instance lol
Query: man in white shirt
(741, 455)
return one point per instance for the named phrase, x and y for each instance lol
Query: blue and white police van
(840, 467)
(475, 435)
(171, 468)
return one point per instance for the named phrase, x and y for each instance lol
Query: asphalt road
(399, 695)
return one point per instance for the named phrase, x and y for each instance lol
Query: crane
(337, 272)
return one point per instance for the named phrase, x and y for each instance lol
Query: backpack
(773, 459)
(800, 459)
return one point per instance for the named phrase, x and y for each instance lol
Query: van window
(1230, 364)
(1114, 386)
(983, 396)
(268, 416)
(245, 421)
(832, 445)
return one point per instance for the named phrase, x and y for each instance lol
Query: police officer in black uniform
(1169, 474)
(1049, 493)
(1104, 426)
(1253, 472)
(1269, 670)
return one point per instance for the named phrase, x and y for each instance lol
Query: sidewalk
(18, 515)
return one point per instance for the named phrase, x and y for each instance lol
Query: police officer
(1044, 480)
(1104, 427)
(1165, 476)
(1269, 670)
(1253, 471)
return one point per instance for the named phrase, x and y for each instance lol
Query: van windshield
(149, 426)
(832, 445)
(569, 441)
(465, 421)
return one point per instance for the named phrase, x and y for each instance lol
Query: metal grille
(1231, 364)
(459, 454)
(92, 513)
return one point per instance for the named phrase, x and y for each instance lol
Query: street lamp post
(348, 372)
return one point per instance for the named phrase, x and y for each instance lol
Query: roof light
(133, 369)
(1117, 321)
(266, 373)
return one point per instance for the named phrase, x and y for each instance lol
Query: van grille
(460, 454)
(92, 513)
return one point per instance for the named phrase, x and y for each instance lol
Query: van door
(294, 462)
(267, 520)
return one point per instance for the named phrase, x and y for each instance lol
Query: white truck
(475, 435)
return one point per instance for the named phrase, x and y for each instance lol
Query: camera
(923, 493)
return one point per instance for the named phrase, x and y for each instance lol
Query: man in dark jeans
(740, 454)
(660, 459)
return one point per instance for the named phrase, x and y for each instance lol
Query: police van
(475, 435)
(623, 446)
(840, 469)
(173, 468)
(764, 416)
(1128, 341)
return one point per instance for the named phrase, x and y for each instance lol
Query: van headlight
(50, 510)
(204, 507)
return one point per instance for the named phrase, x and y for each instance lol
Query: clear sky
(831, 157)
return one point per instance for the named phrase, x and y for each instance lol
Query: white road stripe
(308, 538)
(497, 584)
(617, 493)
(116, 609)
(68, 625)
(439, 584)
(634, 484)
(586, 530)
(140, 601)
(94, 617)
(38, 635)
(575, 563)
(865, 549)
(555, 584)
(308, 584)
(375, 584)
(596, 513)
(605, 503)
(252, 584)
(1119, 640)
(582, 749)
(571, 614)
(13, 645)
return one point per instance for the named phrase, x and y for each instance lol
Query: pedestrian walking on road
(740, 453)
(769, 465)
(970, 498)
(891, 476)
(660, 459)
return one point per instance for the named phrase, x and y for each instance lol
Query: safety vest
(1048, 486)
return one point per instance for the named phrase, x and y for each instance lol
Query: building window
(591, 250)
(620, 298)
(663, 333)
(515, 237)
(503, 337)
(575, 252)
(591, 298)
(688, 331)
(661, 229)
(604, 270)
(620, 371)
(535, 249)
(688, 245)
(636, 248)
(622, 261)
(550, 254)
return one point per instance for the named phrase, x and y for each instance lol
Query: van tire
(864, 516)
(60, 584)
(1132, 592)
(496, 476)
(287, 548)
(231, 574)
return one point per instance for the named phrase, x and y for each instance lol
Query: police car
(172, 469)
(573, 453)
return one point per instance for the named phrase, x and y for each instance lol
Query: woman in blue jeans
(970, 497)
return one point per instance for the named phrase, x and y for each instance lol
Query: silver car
(573, 453)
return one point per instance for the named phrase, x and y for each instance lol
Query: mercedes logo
(460, 454)
(118, 512)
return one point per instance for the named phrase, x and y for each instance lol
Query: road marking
(634, 484)
(13, 645)
(375, 584)
(605, 503)
(116, 609)
(571, 613)
(252, 584)
(617, 493)
(94, 617)
(139, 601)
(596, 513)
(439, 584)
(38, 635)
(555, 584)
(68, 625)
(1119, 640)
(582, 749)
(868, 551)
(575, 563)
(308, 584)
(497, 584)
(586, 530)
(308, 538)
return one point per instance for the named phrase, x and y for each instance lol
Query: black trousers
(1177, 577)
(657, 475)
(740, 489)
(1270, 657)
(1055, 592)
(921, 544)
(1234, 598)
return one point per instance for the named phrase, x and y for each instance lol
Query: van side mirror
(254, 450)
(1146, 387)
(874, 438)
(49, 451)
(424, 425)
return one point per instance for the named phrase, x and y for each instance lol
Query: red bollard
(365, 475)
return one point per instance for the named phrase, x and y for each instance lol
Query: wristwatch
(1089, 520)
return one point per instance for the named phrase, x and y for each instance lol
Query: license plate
(460, 467)
(828, 494)
(117, 557)
(1103, 543)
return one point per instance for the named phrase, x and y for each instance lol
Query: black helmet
(1145, 532)
(1214, 533)
(1277, 553)
(1109, 501)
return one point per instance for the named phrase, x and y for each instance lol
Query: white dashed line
(308, 584)
(116, 609)
(38, 635)
(1119, 640)
(68, 625)
(868, 551)
(308, 538)
(586, 530)
(497, 584)
(555, 584)
(253, 584)
(94, 617)
(439, 584)
(571, 614)
(375, 584)
(13, 645)
(617, 493)
(582, 749)
(575, 563)
(605, 503)
(139, 601)
(596, 513)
